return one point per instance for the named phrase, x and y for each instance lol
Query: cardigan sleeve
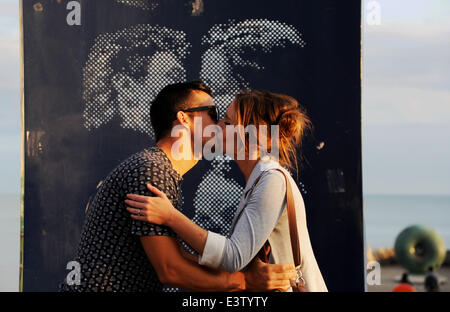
(265, 205)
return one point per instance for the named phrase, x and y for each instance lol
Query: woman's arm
(159, 210)
(252, 229)
(190, 232)
(259, 217)
(187, 255)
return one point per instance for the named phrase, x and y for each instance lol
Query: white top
(261, 215)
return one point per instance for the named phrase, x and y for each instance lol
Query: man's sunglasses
(213, 111)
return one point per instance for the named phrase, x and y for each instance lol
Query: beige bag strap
(293, 230)
(292, 219)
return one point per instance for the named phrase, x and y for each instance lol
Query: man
(117, 253)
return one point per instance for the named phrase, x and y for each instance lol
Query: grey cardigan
(261, 216)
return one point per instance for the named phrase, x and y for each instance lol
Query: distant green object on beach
(420, 249)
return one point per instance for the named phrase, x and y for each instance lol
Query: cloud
(406, 99)
(406, 159)
(10, 159)
(10, 112)
(9, 46)
(10, 8)
(391, 57)
(406, 69)
(412, 12)
(10, 56)
(396, 104)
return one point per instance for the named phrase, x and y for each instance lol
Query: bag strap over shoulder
(299, 285)
(293, 230)
(292, 219)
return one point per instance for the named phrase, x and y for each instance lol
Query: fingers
(155, 191)
(139, 198)
(135, 204)
(282, 276)
(281, 268)
(140, 218)
(145, 199)
(141, 215)
(273, 285)
(284, 285)
(286, 276)
(136, 211)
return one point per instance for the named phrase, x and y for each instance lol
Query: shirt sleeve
(259, 217)
(137, 184)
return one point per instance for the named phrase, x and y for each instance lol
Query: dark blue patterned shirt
(110, 253)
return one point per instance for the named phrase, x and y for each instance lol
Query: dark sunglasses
(213, 111)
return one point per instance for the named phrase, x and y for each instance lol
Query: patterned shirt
(110, 253)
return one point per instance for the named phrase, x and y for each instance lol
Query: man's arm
(173, 269)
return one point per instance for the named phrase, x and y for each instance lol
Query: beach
(390, 274)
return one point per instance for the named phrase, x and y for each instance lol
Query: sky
(9, 98)
(405, 98)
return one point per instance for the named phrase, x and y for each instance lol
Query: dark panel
(80, 113)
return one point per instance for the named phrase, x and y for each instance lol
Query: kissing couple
(130, 237)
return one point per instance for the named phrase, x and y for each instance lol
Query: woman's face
(234, 137)
(228, 120)
(238, 142)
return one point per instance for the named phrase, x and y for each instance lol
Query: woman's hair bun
(256, 107)
(291, 125)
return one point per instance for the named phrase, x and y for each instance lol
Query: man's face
(199, 99)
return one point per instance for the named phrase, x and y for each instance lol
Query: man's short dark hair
(169, 101)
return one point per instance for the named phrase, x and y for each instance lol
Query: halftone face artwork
(126, 70)
(93, 68)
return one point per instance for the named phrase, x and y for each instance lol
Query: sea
(385, 217)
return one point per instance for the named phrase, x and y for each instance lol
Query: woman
(261, 215)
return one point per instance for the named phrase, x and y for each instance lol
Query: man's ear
(183, 119)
